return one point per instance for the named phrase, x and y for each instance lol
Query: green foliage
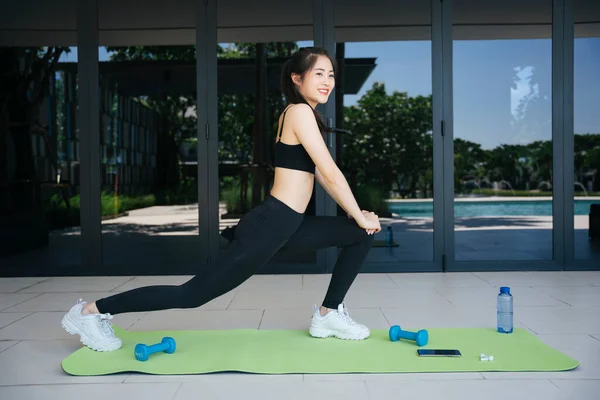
(372, 198)
(391, 142)
(231, 196)
(236, 112)
(155, 53)
(112, 205)
(248, 50)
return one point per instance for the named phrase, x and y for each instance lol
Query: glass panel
(148, 172)
(502, 83)
(587, 130)
(39, 159)
(384, 100)
(250, 102)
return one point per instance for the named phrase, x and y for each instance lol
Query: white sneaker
(95, 330)
(337, 323)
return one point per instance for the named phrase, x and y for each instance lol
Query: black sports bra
(292, 156)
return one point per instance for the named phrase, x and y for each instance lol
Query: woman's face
(318, 82)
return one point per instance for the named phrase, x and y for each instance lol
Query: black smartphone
(438, 353)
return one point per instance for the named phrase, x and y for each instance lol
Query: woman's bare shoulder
(299, 110)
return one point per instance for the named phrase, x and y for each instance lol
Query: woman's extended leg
(261, 232)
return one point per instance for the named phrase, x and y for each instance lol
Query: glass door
(385, 97)
(502, 133)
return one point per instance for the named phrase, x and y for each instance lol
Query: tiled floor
(560, 307)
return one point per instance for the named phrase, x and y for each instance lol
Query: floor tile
(529, 278)
(8, 300)
(276, 299)
(46, 325)
(476, 389)
(139, 281)
(56, 301)
(272, 282)
(78, 284)
(363, 281)
(577, 296)
(441, 317)
(64, 301)
(451, 279)
(414, 298)
(154, 391)
(300, 319)
(362, 298)
(11, 285)
(220, 377)
(39, 362)
(556, 320)
(7, 344)
(488, 297)
(7, 318)
(207, 319)
(585, 278)
(274, 391)
(583, 348)
(579, 389)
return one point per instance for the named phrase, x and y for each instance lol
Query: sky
(485, 99)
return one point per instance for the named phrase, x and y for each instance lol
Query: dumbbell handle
(408, 335)
(155, 348)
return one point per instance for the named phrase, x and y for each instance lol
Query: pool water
(489, 208)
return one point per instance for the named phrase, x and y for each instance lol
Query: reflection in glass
(148, 173)
(387, 154)
(503, 132)
(39, 158)
(249, 105)
(587, 131)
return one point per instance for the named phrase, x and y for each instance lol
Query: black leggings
(268, 229)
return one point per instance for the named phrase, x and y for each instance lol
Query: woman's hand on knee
(371, 224)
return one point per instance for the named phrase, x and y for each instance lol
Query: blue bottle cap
(505, 289)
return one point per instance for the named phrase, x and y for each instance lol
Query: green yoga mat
(294, 351)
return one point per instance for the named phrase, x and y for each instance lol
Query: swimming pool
(488, 208)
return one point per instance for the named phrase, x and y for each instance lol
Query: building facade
(471, 128)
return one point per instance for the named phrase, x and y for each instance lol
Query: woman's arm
(325, 186)
(331, 178)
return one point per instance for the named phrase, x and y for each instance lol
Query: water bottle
(389, 237)
(505, 310)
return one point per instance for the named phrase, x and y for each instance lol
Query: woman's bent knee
(362, 235)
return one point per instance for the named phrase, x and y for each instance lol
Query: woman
(278, 225)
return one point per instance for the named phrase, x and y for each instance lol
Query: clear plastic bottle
(505, 310)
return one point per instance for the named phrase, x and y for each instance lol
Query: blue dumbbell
(142, 351)
(421, 337)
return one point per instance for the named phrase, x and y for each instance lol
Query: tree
(178, 118)
(25, 76)
(391, 141)
(469, 159)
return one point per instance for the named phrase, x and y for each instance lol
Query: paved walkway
(169, 234)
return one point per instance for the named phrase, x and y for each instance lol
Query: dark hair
(300, 63)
